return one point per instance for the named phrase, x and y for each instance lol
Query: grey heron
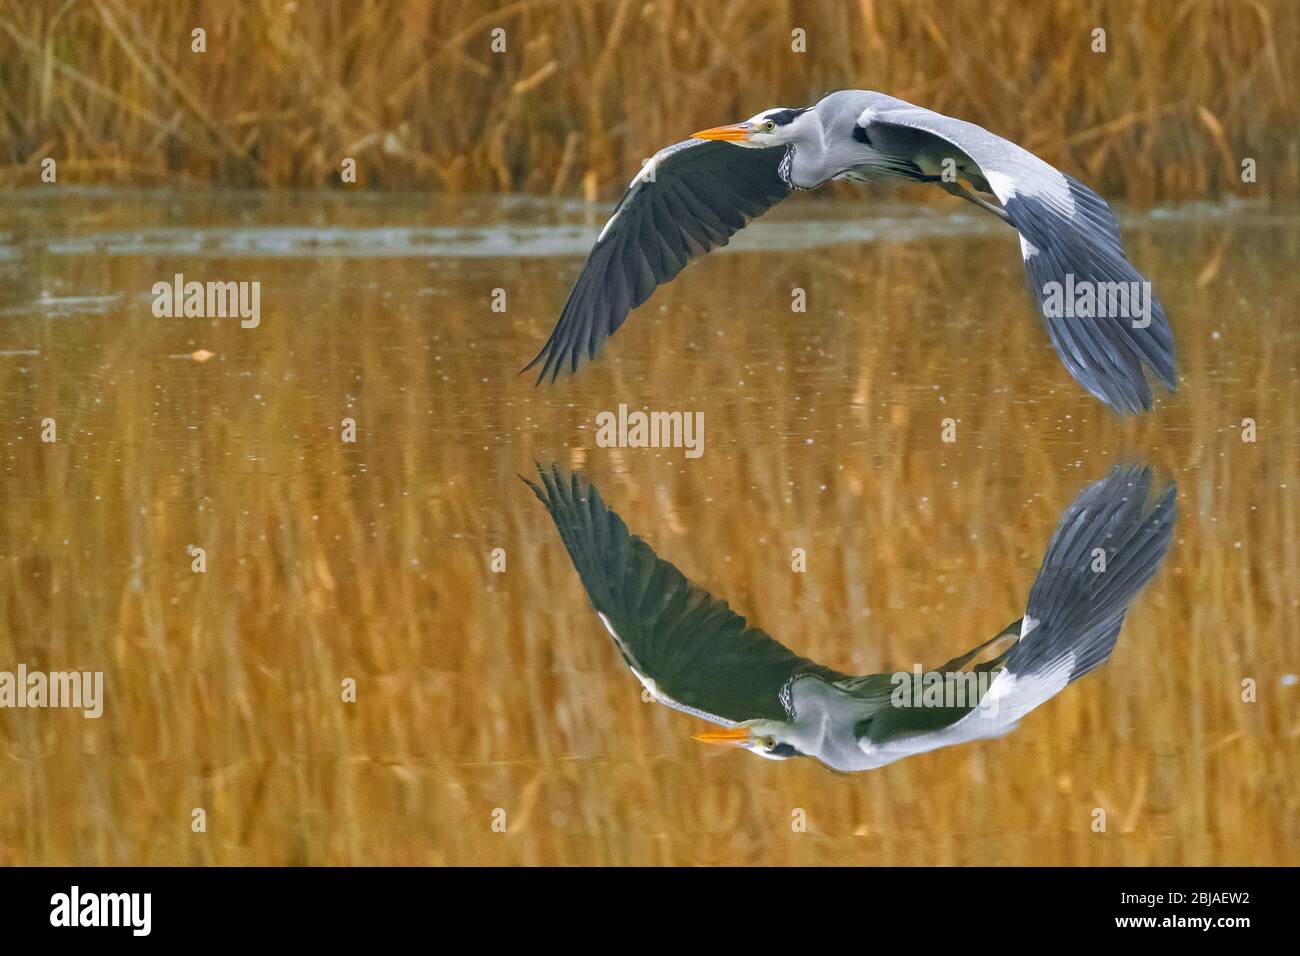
(693, 196)
(693, 653)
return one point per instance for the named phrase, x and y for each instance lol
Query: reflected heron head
(767, 738)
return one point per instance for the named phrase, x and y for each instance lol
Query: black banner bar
(330, 906)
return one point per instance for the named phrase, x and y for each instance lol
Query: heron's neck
(809, 155)
(823, 715)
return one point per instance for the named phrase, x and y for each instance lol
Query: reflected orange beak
(731, 737)
(735, 133)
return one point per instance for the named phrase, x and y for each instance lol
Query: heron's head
(767, 738)
(774, 127)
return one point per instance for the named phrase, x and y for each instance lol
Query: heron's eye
(769, 744)
(767, 128)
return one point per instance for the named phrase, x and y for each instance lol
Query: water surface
(479, 691)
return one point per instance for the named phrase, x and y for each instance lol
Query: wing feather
(690, 648)
(1066, 230)
(691, 198)
(1073, 616)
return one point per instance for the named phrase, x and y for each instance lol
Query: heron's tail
(1106, 547)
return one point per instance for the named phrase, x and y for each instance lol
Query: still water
(487, 697)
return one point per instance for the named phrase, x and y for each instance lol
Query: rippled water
(480, 692)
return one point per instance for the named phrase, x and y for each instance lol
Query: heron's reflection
(693, 653)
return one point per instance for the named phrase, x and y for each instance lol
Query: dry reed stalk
(586, 89)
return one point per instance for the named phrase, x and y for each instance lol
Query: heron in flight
(693, 196)
(693, 653)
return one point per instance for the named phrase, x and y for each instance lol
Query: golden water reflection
(479, 691)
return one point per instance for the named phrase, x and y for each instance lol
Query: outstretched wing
(690, 198)
(688, 648)
(1107, 545)
(1066, 230)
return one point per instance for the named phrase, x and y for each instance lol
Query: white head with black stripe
(779, 126)
(773, 739)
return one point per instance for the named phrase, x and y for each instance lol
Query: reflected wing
(689, 649)
(1107, 545)
(689, 198)
(1065, 229)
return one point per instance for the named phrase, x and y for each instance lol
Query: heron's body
(693, 196)
(693, 653)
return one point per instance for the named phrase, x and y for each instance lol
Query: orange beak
(735, 133)
(731, 737)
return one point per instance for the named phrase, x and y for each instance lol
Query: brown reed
(585, 89)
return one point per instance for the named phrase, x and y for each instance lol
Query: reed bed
(585, 89)
(479, 691)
